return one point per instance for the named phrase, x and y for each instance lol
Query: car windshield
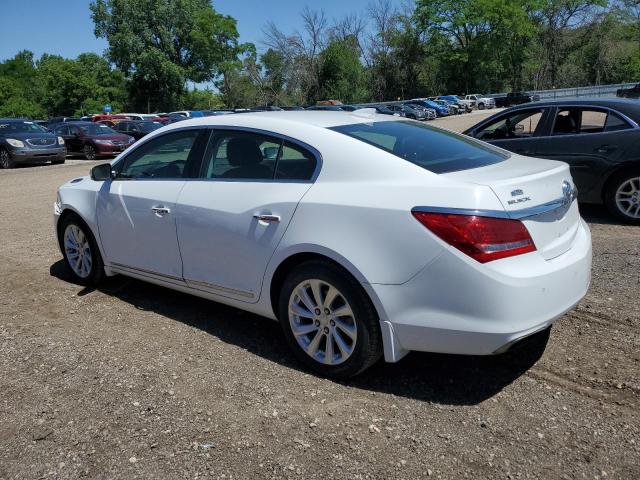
(97, 129)
(20, 127)
(433, 149)
(148, 126)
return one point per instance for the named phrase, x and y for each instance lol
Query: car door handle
(267, 218)
(605, 149)
(160, 210)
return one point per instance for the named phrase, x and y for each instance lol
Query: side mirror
(519, 128)
(101, 172)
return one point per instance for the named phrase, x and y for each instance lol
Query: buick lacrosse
(364, 235)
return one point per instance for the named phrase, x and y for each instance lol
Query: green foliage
(160, 45)
(341, 72)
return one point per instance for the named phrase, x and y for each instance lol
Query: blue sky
(65, 27)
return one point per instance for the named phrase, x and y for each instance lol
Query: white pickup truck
(481, 102)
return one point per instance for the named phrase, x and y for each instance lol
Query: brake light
(482, 238)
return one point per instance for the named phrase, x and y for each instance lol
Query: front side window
(254, 156)
(521, 124)
(438, 151)
(163, 157)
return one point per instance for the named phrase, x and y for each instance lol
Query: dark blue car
(441, 110)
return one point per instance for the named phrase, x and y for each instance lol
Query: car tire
(89, 152)
(80, 251)
(622, 196)
(342, 333)
(481, 106)
(5, 159)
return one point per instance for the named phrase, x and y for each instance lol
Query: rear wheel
(89, 152)
(622, 197)
(81, 251)
(329, 321)
(5, 159)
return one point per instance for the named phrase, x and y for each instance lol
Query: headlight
(60, 141)
(103, 142)
(15, 143)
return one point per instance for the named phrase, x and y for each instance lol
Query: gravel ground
(137, 381)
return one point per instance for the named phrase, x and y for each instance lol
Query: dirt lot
(136, 381)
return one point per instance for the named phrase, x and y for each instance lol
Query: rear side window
(254, 156)
(436, 150)
(615, 123)
(572, 121)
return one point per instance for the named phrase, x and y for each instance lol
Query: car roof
(317, 118)
(628, 107)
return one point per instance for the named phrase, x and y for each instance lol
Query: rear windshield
(438, 151)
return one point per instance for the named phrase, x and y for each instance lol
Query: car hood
(29, 135)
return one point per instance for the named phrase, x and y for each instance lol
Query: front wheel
(89, 152)
(481, 106)
(5, 159)
(81, 251)
(329, 321)
(622, 197)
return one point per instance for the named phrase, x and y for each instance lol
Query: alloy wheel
(322, 322)
(77, 251)
(5, 160)
(628, 197)
(89, 152)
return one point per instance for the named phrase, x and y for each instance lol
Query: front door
(137, 210)
(231, 220)
(517, 131)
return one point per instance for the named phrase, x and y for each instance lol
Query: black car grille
(42, 142)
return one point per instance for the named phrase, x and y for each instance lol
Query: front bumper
(38, 155)
(110, 149)
(456, 305)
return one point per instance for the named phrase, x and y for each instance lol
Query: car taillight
(482, 238)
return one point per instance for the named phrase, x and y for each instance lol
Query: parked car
(518, 98)
(430, 112)
(469, 104)
(453, 109)
(598, 138)
(632, 92)
(93, 139)
(172, 118)
(23, 141)
(481, 101)
(441, 111)
(109, 117)
(443, 261)
(332, 108)
(189, 113)
(137, 129)
(462, 107)
(407, 111)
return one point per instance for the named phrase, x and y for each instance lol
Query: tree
(161, 45)
(341, 73)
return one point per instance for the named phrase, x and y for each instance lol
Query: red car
(92, 139)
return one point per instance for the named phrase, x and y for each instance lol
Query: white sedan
(363, 234)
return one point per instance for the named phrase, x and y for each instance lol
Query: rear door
(590, 139)
(232, 218)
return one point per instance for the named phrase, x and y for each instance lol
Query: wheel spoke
(343, 311)
(328, 353)
(345, 350)
(343, 327)
(304, 329)
(300, 311)
(316, 292)
(332, 293)
(306, 299)
(315, 343)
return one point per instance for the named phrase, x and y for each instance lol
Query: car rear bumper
(38, 155)
(456, 305)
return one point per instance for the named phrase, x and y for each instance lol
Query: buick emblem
(567, 192)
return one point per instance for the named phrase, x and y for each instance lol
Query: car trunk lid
(538, 192)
